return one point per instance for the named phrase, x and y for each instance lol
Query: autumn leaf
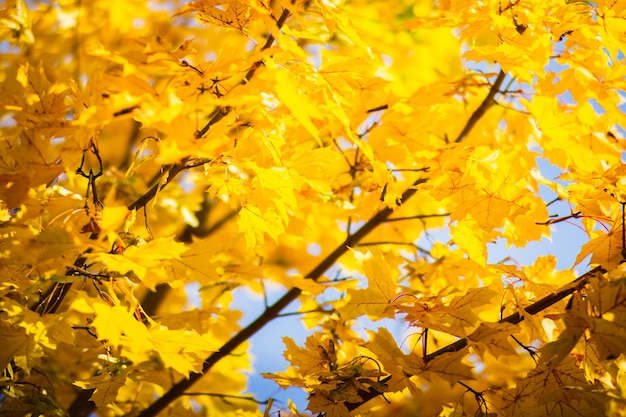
(328, 406)
(105, 387)
(605, 249)
(137, 260)
(298, 104)
(229, 13)
(254, 224)
(179, 180)
(463, 308)
(344, 73)
(182, 350)
(118, 326)
(399, 365)
(376, 300)
(493, 338)
(14, 19)
(576, 322)
(450, 367)
(311, 358)
(559, 391)
(390, 356)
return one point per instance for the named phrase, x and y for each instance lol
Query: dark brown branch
(127, 110)
(514, 318)
(170, 171)
(482, 109)
(273, 311)
(268, 44)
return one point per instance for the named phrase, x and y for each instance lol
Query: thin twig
(300, 313)
(575, 215)
(411, 169)
(532, 351)
(549, 203)
(225, 397)
(379, 108)
(416, 217)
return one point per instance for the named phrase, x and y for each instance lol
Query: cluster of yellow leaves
(149, 149)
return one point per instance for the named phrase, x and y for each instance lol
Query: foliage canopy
(152, 148)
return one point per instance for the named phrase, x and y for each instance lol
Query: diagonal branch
(275, 309)
(482, 109)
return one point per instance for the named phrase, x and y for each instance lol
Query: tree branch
(178, 389)
(273, 311)
(482, 109)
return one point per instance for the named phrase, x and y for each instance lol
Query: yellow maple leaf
(376, 300)
(254, 224)
(138, 260)
(182, 350)
(106, 387)
(234, 14)
(493, 338)
(450, 367)
(605, 249)
(118, 326)
(310, 359)
(301, 106)
(392, 359)
(471, 238)
(562, 391)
